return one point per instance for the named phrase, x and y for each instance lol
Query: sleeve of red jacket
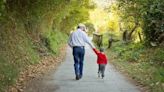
(95, 51)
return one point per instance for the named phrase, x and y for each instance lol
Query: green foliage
(155, 56)
(55, 41)
(140, 63)
(73, 19)
(145, 74)
(131, 52)
(2, 9)
(148, 14)
(8, 73)
(153, 19)
(90, 28)
(28, 26)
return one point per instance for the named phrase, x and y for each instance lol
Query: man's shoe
(80, 76)
(77, 77)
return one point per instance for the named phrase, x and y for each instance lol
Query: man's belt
(78, 46)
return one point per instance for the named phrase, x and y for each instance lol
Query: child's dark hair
(101, 49)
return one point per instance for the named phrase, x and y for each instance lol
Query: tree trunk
(100, 41)
(139, 34)
(131, 32)
(110, 42)
(124, 37)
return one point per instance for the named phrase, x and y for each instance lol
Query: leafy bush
(130, 52)
(55, 40)
(153, 17)
(155, 56)
(145, 65)
(148, 14)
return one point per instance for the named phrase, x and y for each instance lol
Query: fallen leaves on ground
(34, 71)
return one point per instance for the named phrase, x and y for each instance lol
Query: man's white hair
(81, 25)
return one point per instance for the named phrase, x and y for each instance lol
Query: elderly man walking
(77, 42)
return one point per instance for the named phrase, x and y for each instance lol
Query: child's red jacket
(101, 58)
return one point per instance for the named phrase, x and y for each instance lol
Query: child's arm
(96, 51)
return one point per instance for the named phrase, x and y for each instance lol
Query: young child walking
(101, 61)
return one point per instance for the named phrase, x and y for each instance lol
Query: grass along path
(146, 72)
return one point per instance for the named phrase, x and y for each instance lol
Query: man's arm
(87, 40)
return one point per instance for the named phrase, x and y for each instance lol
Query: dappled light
(99, 18)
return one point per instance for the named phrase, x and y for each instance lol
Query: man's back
(79, 38)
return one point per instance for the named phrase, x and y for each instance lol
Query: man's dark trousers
(78, 54)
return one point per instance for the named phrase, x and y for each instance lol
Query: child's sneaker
(102, 76)
(99, 74)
